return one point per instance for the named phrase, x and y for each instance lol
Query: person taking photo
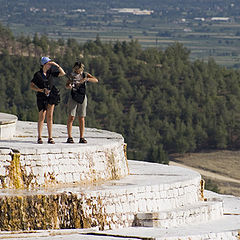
(77, 102)
(47, 94)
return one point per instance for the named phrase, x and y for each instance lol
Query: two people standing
(42, 83)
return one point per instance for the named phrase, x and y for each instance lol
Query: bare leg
(81, 126)
(69, 125)
(41, 118)
(50, 109)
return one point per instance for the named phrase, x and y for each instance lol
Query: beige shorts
(77, 109)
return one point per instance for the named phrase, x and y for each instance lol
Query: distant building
(135, 11)
(225, 19)
(79, 10)
(199, 19)
(187, 30)
(143, 12)
(34, 10)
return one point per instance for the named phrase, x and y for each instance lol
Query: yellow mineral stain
(202, 185)
(15, 172)
(113, 169)
(125, 154)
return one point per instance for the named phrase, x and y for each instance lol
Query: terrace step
(7, 126)
(185, 215)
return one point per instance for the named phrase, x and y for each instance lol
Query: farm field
(222, 46)
(189, 24)
(220, 168)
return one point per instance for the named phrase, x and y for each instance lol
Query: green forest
(160, 101)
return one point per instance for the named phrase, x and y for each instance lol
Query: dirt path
(206, 173)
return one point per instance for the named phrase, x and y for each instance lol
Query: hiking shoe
(82, 140)
(51, 141)
(40, 141)
(70, 140)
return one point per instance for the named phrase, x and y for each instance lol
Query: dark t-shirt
(42, 81)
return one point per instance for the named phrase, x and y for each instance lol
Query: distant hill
(208, 28)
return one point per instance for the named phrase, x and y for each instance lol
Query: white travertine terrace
(7, 126)
(102, 159)
(116, 199)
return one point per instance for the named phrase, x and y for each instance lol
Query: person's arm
(68, 84)
(37, 89)
(61, 71)
(91, 78)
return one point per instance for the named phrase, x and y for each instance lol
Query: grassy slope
(223, 163)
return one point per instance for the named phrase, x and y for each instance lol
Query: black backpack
(78, 94)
